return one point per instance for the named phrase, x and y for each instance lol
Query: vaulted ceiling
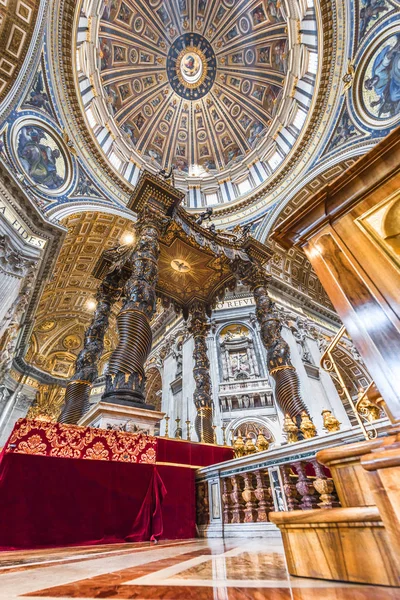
(68, 301)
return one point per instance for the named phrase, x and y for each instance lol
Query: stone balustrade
(235, 498)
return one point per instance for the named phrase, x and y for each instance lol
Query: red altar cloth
(109, 494)
(59, 501)
(186, 453)
(42, 438)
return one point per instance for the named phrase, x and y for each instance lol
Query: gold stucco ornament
(331, 423)
(262, 443)
(307, 427)
(290, 429)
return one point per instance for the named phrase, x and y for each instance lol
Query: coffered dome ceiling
(219, 90)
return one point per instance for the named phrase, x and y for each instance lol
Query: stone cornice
(20, 365)
(52, 232)
(367, 174)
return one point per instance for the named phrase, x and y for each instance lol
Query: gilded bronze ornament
(290, 429)
(331, 423)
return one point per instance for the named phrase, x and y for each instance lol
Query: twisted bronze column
(287, 385)
(202, 395)
(78, 389)
(125, 379)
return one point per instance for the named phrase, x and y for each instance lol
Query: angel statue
(168, 177)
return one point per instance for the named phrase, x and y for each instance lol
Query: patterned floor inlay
(247, 565)
(200, 569)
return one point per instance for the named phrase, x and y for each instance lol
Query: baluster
(226, 500)
(237, 500)
(324, 487)
(248, 495)
(289, 488)
(305, 487)
(263, 495)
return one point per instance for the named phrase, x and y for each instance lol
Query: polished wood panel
(383, 471)
(351, 480)
(358, 266)
(342, 544)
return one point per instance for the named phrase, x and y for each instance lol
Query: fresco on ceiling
(344, 132)
(40, 157)
(173, 93)
(381, 80)
(371, 12)
(38, 97)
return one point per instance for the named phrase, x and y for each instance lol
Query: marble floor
(199, 569)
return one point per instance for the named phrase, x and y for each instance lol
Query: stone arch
(153, 390)
(262, 422)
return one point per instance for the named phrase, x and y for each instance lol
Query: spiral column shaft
(125, 379)
(287, 388)
(86, 366)
(202, 394)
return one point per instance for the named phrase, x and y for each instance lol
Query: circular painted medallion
(380, 83)
(191, 66)
(42, 157)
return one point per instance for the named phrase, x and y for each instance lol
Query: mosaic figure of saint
(39, 159)
(385, 80)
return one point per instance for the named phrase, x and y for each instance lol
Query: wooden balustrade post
(305, 487)
(248, 495)
(324, 487)
(290, 489)
(226, 500)
(237, 499)
(263, 495)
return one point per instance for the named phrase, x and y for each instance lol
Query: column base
(126, 398)
(110, 415)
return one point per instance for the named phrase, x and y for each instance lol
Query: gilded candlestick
(188, 430)
(223, 429)
(214, 434)
(167, 418)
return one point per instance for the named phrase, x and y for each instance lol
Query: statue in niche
(238, 356)
(240, 366)
(12, 321)
(177, 354)
(4, 394)
(300, 334)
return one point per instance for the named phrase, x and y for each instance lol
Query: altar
(66, 485)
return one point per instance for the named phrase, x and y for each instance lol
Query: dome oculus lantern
(191, 66)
